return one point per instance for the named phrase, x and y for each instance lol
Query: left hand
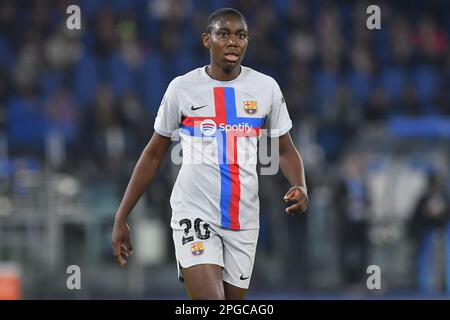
(121, 242)
(298, 195)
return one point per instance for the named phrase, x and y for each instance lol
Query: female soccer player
(219, 111)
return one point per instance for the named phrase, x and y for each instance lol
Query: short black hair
(218, 14)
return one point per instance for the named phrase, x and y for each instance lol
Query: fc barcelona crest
(250, 107)
(197, 248)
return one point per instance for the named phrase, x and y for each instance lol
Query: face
(227, 42)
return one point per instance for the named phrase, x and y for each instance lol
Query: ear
(206, 40)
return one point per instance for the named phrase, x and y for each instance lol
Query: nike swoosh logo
(243, 278)
(196, 108)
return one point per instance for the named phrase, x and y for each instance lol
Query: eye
(222, 34)
(242, 36)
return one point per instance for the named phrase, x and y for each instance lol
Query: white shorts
(233, 250)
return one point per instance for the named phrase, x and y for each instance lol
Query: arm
(145, 170)
(291, 165)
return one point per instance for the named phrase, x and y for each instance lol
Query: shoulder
(189, 79)
(259, 77)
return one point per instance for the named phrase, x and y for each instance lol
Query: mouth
(232, 56)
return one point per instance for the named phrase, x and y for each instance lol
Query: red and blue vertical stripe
(230, 186)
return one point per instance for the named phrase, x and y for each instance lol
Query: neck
(220, 74)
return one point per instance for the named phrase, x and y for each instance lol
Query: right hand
(121, 242)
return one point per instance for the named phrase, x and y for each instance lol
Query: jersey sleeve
(278, 120)
(169, 113)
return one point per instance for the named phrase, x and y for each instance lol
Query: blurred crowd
(100, 87)
(95, 92)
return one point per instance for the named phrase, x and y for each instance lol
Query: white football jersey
(219, 125)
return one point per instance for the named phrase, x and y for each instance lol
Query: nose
(232, 40)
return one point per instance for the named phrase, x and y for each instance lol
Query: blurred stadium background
(371, 118)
